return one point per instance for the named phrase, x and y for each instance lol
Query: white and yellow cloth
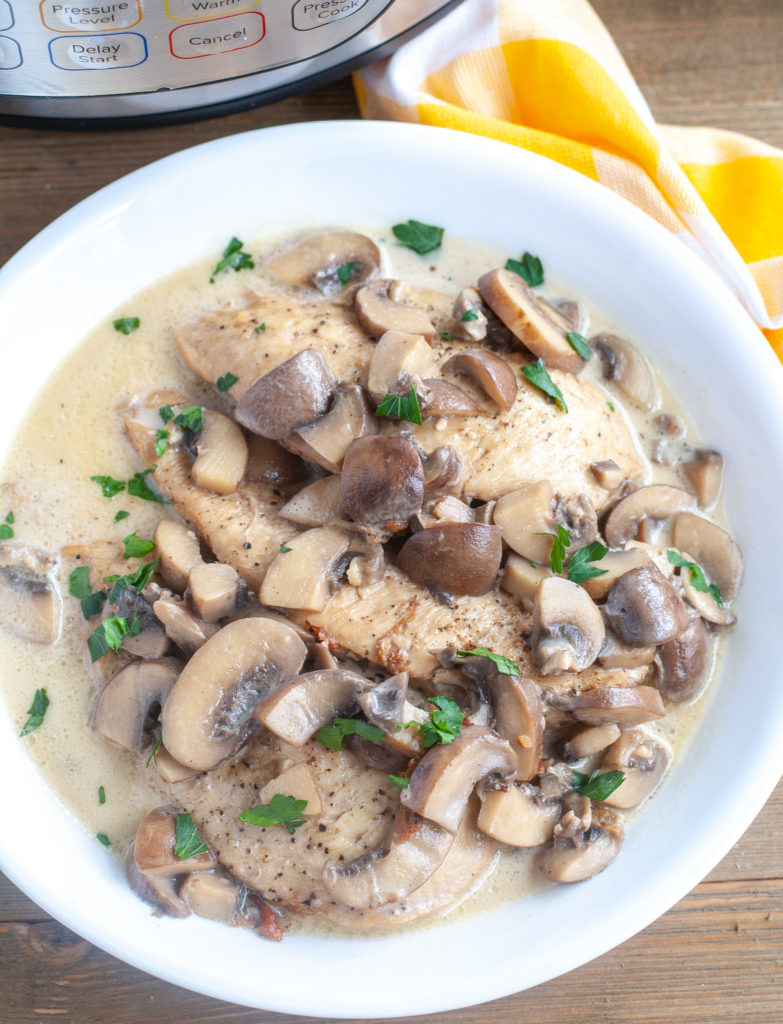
(546, 76)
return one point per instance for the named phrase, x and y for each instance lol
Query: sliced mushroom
(382, 480)
(205, 717)
(179, 551)
(615, 564)
(577, 514)
(151, 641)
(167, 768)
(519, 718)
(155, 844)
(293, 393)
(318, 504)
(616, 654)
(626, 367)
(470, 319)
(489, 371)
(221, 457)
(213, 589)
(398, 358)
(682, 664)
(517, 306)
(516, 816)
(318, 261)
(586, 840)
(296, 710)
(157, 890)
(390, 306)
(326, 441)
(129, 704)
(408, 856)
(713, 549)
(443, 780)
(297, 782)
(183, 627)
(271, 464)
(30, 605)
(526, 517)
(643, 761)
(705, 603)
(625, 706)
(439, 398)
(589, 740)
(379, 756)
(644, 609)
(442, 470)
(456, 558)
(305, 575)
(568, 631)
(607, 474)
(212, 896)
(704, 473)
(657, 501)
(521, 577)
(387, 707)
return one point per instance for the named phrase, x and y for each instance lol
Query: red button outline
(195, 24)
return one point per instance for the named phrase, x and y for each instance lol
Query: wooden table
(715, 957)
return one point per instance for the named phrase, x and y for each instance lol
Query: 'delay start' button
(98, 53)
(221, 35)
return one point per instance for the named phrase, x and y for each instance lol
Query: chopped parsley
(6, 528)
(187, 841)
(122, 514)
(126, 324)
(233, 257)
(539, 377)
(611, 406)
(599, 785)
(226, 382)
(153, 752)
(136, 547)
(332, 735)
(578, 568)
(259, 328)
(284, 550)
(139, 488)
(110, 635)
(403, 407)
(103, 839)
(161, 441)
(698, 580)
(36, 712)
(422, 238)
(191, 418)
(398, 780)
(79, 587)
(579, 345)
(504, 665)
(109, 486)
(444, 725)
(166, 413)
(137, 580)
(345, 272)
(101, 795)
(468, 315)
(281, 810)
(446, 336)
(529, 268)
(561, 540)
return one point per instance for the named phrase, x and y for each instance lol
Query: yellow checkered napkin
(546, 76)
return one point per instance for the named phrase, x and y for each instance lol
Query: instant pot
(107, 63)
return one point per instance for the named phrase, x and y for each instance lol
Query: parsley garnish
(261, 327)
(226, 382)
(187, 842)
(422, 238)
(138, 580)
(161, 441)
(6, 529)
(109, 486)
(611, 406)
(561, 540)
(445, 722)
(36, 712)
(166, 413)
(233, 257)
(398, 780)
(136, 547)
(110, 635)
(504, 665)
(345, 272)
(529, 268)
(126, 324)
(101, 795)
(579, 344)
(332, 735)
(79, 586)
(579, 570)
(153, 752)
(281, 810)
(539, 377)
(471, 314)
(191, 418)
(404, 407)
(103, 838)
(698, 580)
(122, 514)
(446, 336)
(284, 550)
(139, 488)
(599, 785)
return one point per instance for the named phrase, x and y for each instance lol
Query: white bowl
(183, 208)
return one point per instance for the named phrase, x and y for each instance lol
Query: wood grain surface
(717, 956)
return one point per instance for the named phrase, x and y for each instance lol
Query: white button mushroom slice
(128, 705)
(413, 850)
(206, 715)
(644, 762)
(577, 514)
(30, 605)
(456, 558)
(470, 319)
(305, 576)
(568, 630)
(713, 549)
(318, 259)
(444, 779)
(179, 550)
(182, 626)
(489, 371)
(704, 472)
(586, 840)
(318, 504)
(390, 305)
(607, 473)
(297, 782)
(519, 718)
(221, 454)
(682, 665)
(293, 393)
(517, 306)
(521, 577)
(398, 357)
(157, 890)
(656, 501)
(325, 441)
(625, 706)
(704, 602)
(625, 366)
(382, 481)
(616, 654)
(526, 517)
(213, 588)
(166, 768)
(644, 609)
(296, 710)
(516, 816)
(439, 398)
(589, 740)
(212, 896)
(155, 845)
(615, 564)
(387, 707)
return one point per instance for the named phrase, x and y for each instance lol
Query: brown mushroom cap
(657, 501)
(704, 473)
(626, 367)
(325, 441)
(316, 260)
(390, 306)
(157, 890)
(129, 703)
(456, 558)
(568, 630)
(491, 372)
(586, 840)
(294, 392)
(644, 609)
(439, 398)
(713, 549)
(382, 480)
(155, 843)
(682, 664)
(296, 710)
(643, 761)
(626, 706)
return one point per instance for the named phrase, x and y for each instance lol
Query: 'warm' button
(221, 35)
(98, 53)
(188, 10)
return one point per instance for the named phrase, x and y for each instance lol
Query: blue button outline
(12, 67)
(5, 28)
(83, 37)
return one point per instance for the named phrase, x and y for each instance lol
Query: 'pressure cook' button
(223, 35)
(313, 13)
(86, 17)
(6, 15)
(98, 53)
(188, 10)
(10, 54)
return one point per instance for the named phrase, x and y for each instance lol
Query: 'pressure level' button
(6, 15)
(98, 53)
(222, 35)
(86, 17)
(10, 54)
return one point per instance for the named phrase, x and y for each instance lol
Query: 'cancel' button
(222, 35)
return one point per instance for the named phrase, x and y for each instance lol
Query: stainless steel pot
(99, 62)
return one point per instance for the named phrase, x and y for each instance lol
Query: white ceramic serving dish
(185, 207)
